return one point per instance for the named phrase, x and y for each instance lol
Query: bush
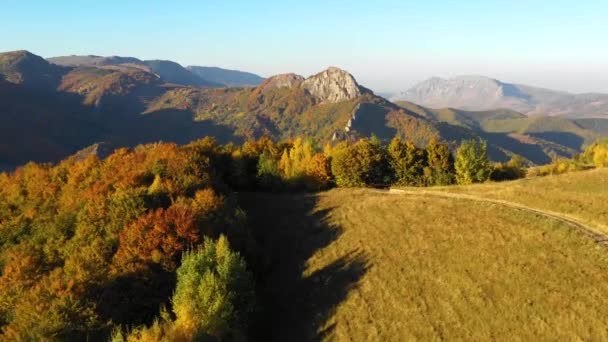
(513, 169)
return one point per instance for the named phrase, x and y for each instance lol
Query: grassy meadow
(582, 194)
(362, 265)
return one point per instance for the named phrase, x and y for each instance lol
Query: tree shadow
(288, 230)
(135, 298)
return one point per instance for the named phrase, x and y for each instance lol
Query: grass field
(581, 194)
(360, 265)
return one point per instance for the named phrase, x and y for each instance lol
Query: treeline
(301, 165)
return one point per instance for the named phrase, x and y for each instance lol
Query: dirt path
(593, 232)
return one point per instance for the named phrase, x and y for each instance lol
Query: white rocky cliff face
(332, 85)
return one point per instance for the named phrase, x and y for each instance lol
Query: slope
(27, 69)
(228, 78)
(536, 138)
(372, 266)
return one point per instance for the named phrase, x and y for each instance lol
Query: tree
(472, 164)
(269, 176)
(407, 162)
(597, 154)
(440, 169)
(361, 164)
(158, 237)
(318, 173)
(214, 292)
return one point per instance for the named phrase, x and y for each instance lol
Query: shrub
(513, 169)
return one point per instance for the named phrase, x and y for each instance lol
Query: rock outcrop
(281, 81)
(332, 85)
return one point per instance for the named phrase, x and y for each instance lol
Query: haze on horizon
(387, 45)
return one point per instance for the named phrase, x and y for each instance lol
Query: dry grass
(364, 266)
(582, 194)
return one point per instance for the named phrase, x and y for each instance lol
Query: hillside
(366, 265)
(535, 138)
(228, 78)
(599, 126)
(480, 93)
(27, 69)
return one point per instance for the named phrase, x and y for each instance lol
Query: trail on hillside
(584, 227)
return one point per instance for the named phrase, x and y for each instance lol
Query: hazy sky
(388, 45)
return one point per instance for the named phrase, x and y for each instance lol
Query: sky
(387, 45)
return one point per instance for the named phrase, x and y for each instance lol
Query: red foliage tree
(157, 237)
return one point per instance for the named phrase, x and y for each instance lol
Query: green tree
(214, 292)
(268, 171)
(472, 164)
(440, 169)
(407, 162)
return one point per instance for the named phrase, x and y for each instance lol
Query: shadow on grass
(288, 231)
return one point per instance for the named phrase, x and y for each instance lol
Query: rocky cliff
(332, 85)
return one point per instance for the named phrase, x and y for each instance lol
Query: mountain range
(50, 109)
(169, 71)
(483, 93)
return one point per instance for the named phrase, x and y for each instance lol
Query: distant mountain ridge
(48, 112)
(226, 77)
(169, 71)
(483, 93)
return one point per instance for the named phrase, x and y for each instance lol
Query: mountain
(23, 67)
(128, 103)
(535, 138)
(329, 104)
(228, 78)
(482, 93)
(169, 71)
(92, 60)
(174, 73)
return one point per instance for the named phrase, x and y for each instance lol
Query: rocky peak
(281, 81)
(332, 85)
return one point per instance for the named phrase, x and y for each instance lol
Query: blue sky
(388, 45)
